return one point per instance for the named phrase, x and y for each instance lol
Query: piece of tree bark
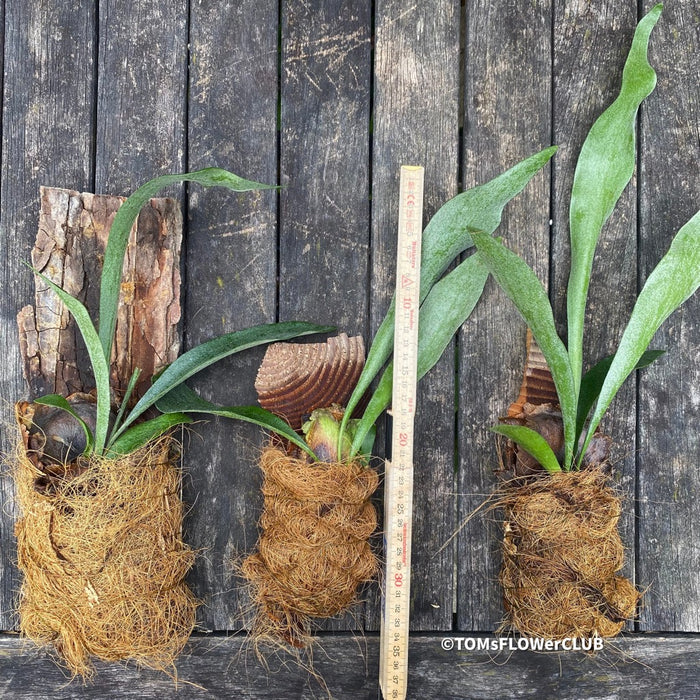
(538, 385)
(296, 378)
(69, 250)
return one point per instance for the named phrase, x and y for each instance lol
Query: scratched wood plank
(47, 139)
(324, 167)
(48, 107)
(416, 122)
(507, 116)
(640, 668)
(324, 154)
(669, 392)
(141, 93)
(231, 272)
(591, 44)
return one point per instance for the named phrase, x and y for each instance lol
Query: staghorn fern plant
(604, 168)
(446, 302)
(562, 554)
(313, 549)
(99, 491)
(95, 429)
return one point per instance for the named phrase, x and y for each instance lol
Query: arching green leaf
(446, 236)
(124, 219)
(183, 399)
(100, 367)
(530, 298)
(447, 306)
(673, 280)
(212, 351)
(143, 433)
(605, 166)
(532, 442)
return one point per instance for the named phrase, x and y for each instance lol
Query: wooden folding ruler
(398, 486)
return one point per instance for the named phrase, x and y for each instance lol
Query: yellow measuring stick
(398, 485)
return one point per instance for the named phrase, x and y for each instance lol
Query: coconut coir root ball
(313, 552)
(561, 558)
(103, 563)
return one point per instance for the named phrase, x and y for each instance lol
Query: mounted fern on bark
(97, 477)
(562, 553)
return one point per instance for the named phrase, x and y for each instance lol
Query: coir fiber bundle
(561, 557)
(99, 547)
(313, 552)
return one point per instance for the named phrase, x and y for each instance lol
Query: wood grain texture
(668, 523)
(69, 250)
(416, 122)
(141, 91)
(324, 162)
(507, 117)
(114, 110)
(231, 271)
(640, 667)
(324, 166)
(591, 44)
(47, 138)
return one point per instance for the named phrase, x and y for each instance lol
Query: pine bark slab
(69, 250)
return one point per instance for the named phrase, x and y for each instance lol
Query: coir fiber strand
(562, 554)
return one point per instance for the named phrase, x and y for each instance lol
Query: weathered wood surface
(416, 122)
(507, 117)
(668, 481)
(140, 115)
(643, 667)
(328, 99)
(231, 273)
(47, 139)
(324, 169)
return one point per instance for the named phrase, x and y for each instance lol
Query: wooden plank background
(644, 668)
(328, 99)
